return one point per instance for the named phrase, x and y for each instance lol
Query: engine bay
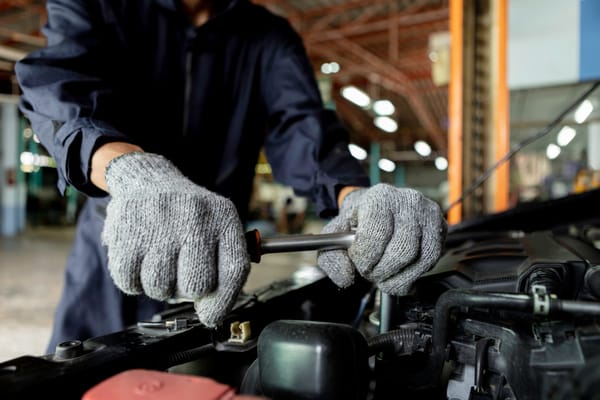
(510, 311)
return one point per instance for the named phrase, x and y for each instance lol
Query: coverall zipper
(187, 91)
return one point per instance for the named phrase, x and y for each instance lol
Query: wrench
(257, 245)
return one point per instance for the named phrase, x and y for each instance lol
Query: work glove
(170, 238)
(399, 234)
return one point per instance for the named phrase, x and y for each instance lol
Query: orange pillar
(501, 111)
(455, 114)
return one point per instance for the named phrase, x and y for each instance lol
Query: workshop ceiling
(382, 47)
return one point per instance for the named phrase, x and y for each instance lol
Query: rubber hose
(397, 341)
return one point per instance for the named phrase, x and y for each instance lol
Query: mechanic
(157, 111)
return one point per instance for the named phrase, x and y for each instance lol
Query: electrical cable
(185, 356)
(543, 132)
(398, 341)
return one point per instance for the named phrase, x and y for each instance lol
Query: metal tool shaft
(324, 241)
(257, 245)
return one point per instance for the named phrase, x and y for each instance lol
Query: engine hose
(189, 355)
(397, 341)
(499, 301)
(467, 298)
(575, 307)
(470, 298)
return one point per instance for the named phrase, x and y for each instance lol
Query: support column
(400, 176)
(593, 149)
(12, 186)
(374, 157)
(478, 133)
(498, 190)
(455, 113)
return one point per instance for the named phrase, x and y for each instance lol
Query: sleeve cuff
(81, 138)
(327, 193)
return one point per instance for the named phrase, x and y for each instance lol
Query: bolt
(69, 349)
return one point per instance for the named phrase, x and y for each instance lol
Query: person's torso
(193, 93)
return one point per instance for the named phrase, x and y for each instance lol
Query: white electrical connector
(240, 332)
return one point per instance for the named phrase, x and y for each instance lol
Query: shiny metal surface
(324, 241)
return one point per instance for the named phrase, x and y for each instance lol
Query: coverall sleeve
(306, 145)
(65, 97)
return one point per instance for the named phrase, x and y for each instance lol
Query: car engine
(510, 311)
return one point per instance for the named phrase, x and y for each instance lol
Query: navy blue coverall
(208, 98)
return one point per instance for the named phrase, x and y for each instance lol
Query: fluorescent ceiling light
(27, 158)
(383, 107)
(330, 68)
(357, 152)
(552, 151)
(386, 124)
(565, 136)
(422, 148)
(441, 163)
(386, 165)
(583, 111)
(356, 96)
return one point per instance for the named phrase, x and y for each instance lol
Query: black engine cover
(505, 263)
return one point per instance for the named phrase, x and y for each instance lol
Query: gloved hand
(170, 238)
(399, 234)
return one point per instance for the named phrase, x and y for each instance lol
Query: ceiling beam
(7, 66)
(407, 35)
(375, 26)
(11, 53)
(339, 8)
(326, 20)
(21, 37)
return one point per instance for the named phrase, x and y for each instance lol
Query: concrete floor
(31, 274)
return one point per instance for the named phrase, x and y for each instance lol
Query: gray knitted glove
(399, 236)
(170, 238)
